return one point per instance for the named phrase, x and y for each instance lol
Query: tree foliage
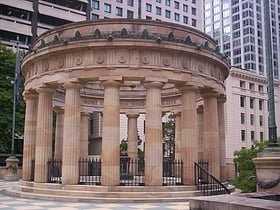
(7, 75)
(243, 160)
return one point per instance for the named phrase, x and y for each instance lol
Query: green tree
(7, 75)
(243, 160)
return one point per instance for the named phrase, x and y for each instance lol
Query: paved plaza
(15, 203)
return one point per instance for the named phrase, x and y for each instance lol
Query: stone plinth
(268, 171)
(12, 169)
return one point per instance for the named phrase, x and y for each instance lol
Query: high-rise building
(238, 28)
(28, 19)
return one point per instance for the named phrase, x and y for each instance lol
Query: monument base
(12, 169)
(268, 171)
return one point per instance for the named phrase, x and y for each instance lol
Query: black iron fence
(172, 172)
(131, 171)
(90, 171)
(207, 183)
(54, 170)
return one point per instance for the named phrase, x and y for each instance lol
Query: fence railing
(90, 171)
(172, 172)
(54, 170)
(207, 183)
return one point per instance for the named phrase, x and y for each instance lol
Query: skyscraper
(238, 28)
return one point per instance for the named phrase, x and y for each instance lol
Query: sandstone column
(84, 135)
(178, 136)
(71, 133)
(59, 133)
(221, 120)
(43, 151)
(211, 138)
(30, 124)
(189, 135)
(153, 138)
(200, 131)
(110, 168)
(132, 136)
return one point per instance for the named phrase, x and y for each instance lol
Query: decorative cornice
(126, 35)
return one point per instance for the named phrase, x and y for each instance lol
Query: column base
(12, 169)
(268, 171)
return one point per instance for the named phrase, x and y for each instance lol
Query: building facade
(238, 27)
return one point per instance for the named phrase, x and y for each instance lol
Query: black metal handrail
(207, 183)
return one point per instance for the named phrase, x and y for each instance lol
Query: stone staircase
(89, 193)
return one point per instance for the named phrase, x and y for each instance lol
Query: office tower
(238, 28)
(28, 19)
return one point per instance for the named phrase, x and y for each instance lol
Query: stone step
(101, 193)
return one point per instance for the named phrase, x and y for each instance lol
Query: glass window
(130, 3)
(158, 1)
(119, 11)
(176, 5)
(185, 19)
(242, 84)
(260, 104)
(252, 100)
(148, 7)
(243, 135)
(261, 120)
(194, 1)
(242, 118)
(261, 88)
(261, 136)
(252, 86)
(242, 101)
(252, 135)
(194, 22)
(107, 8)
(120, 1)
(167, 2)
(158, 10)
(177, 17)
(94, 17)
(185, 8)
(129, 14)
(95, 4)
(252, 119)
(193, 11)
(167, 14)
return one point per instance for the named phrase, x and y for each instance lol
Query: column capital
(30, 94)
(132, 115)
(177, 113)
(72, 85)
(209, 94)
(45, 89)
(111, 83)
(153, 84)
(85, 113)
(187, 88)
(58, 110)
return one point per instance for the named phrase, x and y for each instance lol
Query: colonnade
(71, 138)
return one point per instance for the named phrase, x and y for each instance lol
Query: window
(242, 101)
(107, 8)
(130, 3)
(252, 100)
(167, 2)
(243, 135)
(252, 119)
(194, 22)
(148, 18)
(252, 86)
(120, 1)
(148, 7)
(261, 136)
(158, 10)
(252, 135)
(94, 17)
(185, 8)
(260, 104)
(158, 1)
(261, 88)
(242, 118)
(177, 17)
(129, 14)
(119, 11)
(176, 5)
(193, 11)
(95, 4)
(261, 120)
(167, 14)
(193, 1)
(185, 19)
